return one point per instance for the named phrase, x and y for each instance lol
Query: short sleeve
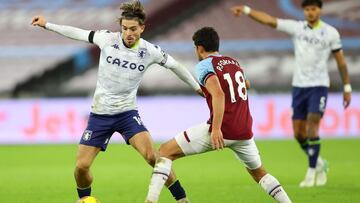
(204, 70)
(160, 57)
(287, 26)
(335, 43)
(99, 37)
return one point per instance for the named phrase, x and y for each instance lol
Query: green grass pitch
(44, 173)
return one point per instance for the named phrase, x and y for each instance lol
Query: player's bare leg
(270, 184)
(169, 151)
(299, 127)
(84, 159)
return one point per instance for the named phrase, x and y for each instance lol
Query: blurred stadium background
(47, 81)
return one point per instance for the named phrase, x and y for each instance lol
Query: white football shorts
(196, 140)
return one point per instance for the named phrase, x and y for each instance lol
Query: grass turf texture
(44, 173)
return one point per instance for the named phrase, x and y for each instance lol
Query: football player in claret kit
(123, 61)
(313, 40)
(230, 124)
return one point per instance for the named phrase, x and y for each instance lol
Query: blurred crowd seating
(26, 51)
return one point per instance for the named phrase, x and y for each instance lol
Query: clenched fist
(38, 21)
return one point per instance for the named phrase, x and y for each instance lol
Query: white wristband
(347, 88)
(246, 10)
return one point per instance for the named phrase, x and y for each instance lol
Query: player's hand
(38, 21)
(217, 140)
(347, 99)
(200, 92)
(237, 10)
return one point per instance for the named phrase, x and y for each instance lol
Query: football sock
(313, 151)
(160, 175)
(272, 186)
(82, 192)
(177, 190)
(304, 144)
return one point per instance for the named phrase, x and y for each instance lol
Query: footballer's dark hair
(317, 3)
(132, 11)
(208, 38)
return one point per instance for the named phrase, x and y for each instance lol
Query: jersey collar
(135, 46)
(216, 55)
(316, 26)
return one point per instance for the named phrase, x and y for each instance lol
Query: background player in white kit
(124, 59)
(313, 40)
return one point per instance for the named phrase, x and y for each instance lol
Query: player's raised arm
(213, 86)
(258, 16)
(67, 31)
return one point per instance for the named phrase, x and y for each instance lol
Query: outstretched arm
(258, 16)
(212, 85)
(341, 63)
(67, 31)
(183, 74)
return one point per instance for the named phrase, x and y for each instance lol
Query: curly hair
(133, 11)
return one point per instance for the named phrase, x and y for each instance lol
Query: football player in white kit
(313, 40)
(123, 61)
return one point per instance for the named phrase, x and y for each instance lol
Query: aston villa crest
(87, 135)
(142, 53)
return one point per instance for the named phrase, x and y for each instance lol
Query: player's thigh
(129, 124)
(144, 144)
(195, 140)
(317, 100)
(247, 152)
(98, 131)
(86, 155)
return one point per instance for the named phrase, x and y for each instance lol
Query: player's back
(237, 120)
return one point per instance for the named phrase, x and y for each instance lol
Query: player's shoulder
(106, 34)
(204, 64)
(149, 46)
(331, 29)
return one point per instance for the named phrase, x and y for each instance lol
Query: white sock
(272, 186)
(161, 173)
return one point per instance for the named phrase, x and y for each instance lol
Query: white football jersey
(312, 49)
(121, 70)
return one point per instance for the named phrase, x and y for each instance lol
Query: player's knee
(150, 158)
(165, 150)
(258, 173)
(299, 133)
(82, 166)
